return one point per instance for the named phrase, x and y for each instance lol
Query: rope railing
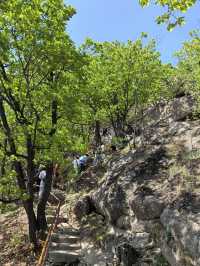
(45, 248)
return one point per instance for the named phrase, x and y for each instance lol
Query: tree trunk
(32, 222)
(119, 127)
(4, 158)
(28, 205)
(97, 133)
(41, 217)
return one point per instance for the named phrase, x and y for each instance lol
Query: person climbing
(57, 180)
(76, 164)
(105, 132)
(83, 160)
(42, 176)
(98, 157)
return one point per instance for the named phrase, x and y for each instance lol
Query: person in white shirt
(42, 176)
(76, 164)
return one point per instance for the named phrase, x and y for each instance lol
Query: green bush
(119, 142)
(160, 261)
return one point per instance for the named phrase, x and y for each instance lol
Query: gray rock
(184, 229)
(147, 208)
(82, 207)
(127, 255)
(110, 201)
(123, 222)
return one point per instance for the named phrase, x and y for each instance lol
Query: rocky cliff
(150, 195)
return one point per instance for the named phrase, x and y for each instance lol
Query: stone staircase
(65, 245)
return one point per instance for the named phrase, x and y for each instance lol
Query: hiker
(83, 160)
(76, 164)
(98, 157)
(105, 132)
(42, 176)
(56, 176)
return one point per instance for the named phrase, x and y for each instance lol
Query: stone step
(60, 256)
(64, 238)
(53, 208)
(50, 219)
(65, 246)
(50, 213)
(68, 231)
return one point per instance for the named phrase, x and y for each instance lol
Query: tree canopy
(120, 77)
(173, 9)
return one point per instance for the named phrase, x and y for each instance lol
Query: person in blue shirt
(83, 162)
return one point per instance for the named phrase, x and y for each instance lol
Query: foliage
(5, 208)
(192, 155)
(189, 66)
(119, 142)
(173, 9)
(33, 71)
(160, 261)
(178, 170)
(187, 181)
(119, 77)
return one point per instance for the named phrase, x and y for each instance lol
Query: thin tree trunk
(135, 124)
(30, 165)
(97, 133)
(119, 127)
(4, 158)
(41, 216)
(32, 222)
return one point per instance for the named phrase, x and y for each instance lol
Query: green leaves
(188, 67)
(174, 7)
(118, 76)
(144, 2)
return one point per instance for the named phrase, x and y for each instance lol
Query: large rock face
(153, 191)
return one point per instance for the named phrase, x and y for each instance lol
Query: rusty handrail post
(45, 248)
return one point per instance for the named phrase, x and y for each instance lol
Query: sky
(122, 20)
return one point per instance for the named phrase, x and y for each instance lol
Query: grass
(187, 181)
(5, 208)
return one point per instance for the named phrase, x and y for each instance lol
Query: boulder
(127, 255)
(82, 207)
(113, 204)
(147, 208)
(123, 222)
